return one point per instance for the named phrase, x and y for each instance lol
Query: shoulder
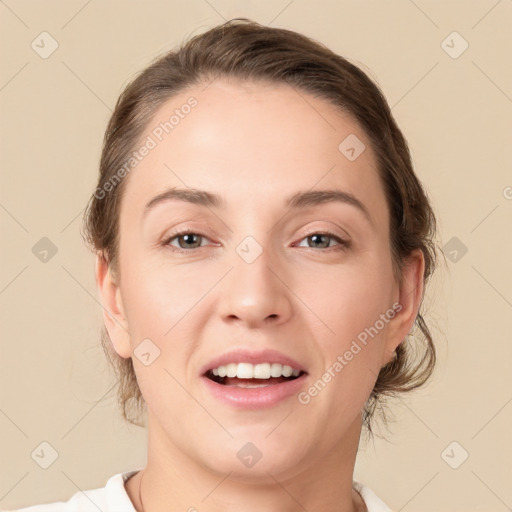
(371, 500)
(111, 498)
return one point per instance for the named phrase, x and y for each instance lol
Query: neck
(172, 477)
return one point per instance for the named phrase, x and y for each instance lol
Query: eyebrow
(296, 201)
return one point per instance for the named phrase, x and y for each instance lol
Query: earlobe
(410, 297)
(112, 304)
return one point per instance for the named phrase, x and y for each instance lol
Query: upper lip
(253, 357)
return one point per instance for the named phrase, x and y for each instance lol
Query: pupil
(188, 238)
(316, 238)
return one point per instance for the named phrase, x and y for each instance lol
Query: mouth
(247, 375)
(244, 379)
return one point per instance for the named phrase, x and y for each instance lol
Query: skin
(254, 144)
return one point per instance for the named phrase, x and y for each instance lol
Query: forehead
(254, 144)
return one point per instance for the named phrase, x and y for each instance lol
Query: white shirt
(114, 498)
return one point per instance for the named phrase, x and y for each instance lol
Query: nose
(256, 293)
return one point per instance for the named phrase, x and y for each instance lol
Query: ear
(410, 294)
(113, 311)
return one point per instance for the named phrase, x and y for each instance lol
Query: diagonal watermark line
(410, 409)
(13, 217)
(300, 300)
(206, 1)
(13, 13)
(297, 91)
(494, 288)
(208, 84)
(81, 490)
(487, 423)
(424, 14)
(416, 84)
(286, 491)
(491, 9)
(5, 495)
(94, 298)
(12, 280)
(492, 81)
(85, 85)
(279, 13)
(509, 508)
(89, 411)
(199, 403)
(484, 218)
(14, 76)
(72, 220)
(406, 503)
(282, 421)
(217, 486)
(206, 293)
(165, 165)
(289, 211)
(76, 14)
(14, 423)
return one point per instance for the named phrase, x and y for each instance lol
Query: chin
(253, 456)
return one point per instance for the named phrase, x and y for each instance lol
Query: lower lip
(254, 398)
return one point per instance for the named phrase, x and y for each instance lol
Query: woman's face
(256, 280)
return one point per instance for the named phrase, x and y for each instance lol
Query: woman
(262, 249)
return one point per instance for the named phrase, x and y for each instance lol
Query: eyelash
(343, 244)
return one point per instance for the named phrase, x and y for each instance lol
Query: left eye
(320, 238)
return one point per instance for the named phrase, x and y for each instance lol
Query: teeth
(255, 371)
(262, 371)
(231, 370)
(287, 371)
(276, 370)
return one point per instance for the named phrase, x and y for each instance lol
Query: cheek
(159, 309)
(159, 295)
(350, 304)
(351, 345)
(348, 299)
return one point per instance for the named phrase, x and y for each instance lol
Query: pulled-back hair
(243, 49)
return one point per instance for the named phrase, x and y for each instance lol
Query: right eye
(187, 241)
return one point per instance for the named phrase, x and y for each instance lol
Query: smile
(259, 375)
(253, 386)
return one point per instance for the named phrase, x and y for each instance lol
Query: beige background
(456, 115)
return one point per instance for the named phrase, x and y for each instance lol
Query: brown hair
(243, 49)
